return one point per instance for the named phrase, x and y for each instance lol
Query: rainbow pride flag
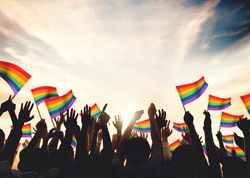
(246, 100)
(205, 149)
(26, 129)
(74, 142)
(18, 146)
(142, 126)
(42, 93)
(229, 120)
(61, 102)
(25, 144)
(95, 111)
(239, 152)
(4, 142)
(228, 139)
(192, 91)
(15, 76)
(216, 103)
(179, 126)
(174, 145)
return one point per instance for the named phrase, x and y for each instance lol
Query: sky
(129, 53)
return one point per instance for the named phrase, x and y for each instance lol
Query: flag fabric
(26, 129)
(246, 100)
(192, 91)
(74, 142)
(179, 126)
(228, 139)
(25, 144)
(95, 111)
(4, 142)
(15, 76)
(17, 148)
(42, 93)
(174, 145)
(61, 102)
(239, 152)
(216, 103)
(205, 149)
(142, 126)
(229, 120)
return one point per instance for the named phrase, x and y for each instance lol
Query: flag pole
(13, 97)
(53, 123)
(39, 112)
(184, 107)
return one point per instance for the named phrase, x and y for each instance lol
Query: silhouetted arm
(118, 126)
(93, 144)
(239, 141)
(40, 126)
(165, 133)
(104, 118)
(211, 149)
(219, 137)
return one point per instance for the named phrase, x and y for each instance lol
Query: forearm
(155, 136)
(106, 137)
(166, 152)
(93, 144)
(81, 149)
(119, 136)
(212, 155)
(34, 140)
(222, 147)
(12, 116)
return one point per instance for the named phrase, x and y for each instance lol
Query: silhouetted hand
(71, 122)
(138, 115)
(51, 133)
(24, 114)
(133, 134)
(144, 135)
(219, 136)
(86, 116)
(41, 126)
(161, 119)
(207, 122)
(243, 125)
(59, 135)
(7, 105)
(59, 120)
(166, 132)
(188, 119)
(118, 123)
(98, 126)
(152, 110)
(104, 118)
(186, 135)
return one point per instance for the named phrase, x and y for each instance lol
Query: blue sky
(129, 53)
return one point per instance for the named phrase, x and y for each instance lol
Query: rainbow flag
(239, 152)
(26, 129)
(174, 145)
(74, 142)
(42, 93)
(95, 111)
(228, 139)
(246, 100)
(192, 91)
(61, 102)
(179, 126)
(17, 148)
(229, 120)
(25, 144)
(4, 142)
(15, 76)
(216, 103)
(205, 149)
(142, 126)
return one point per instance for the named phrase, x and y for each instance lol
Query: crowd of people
(126, 155)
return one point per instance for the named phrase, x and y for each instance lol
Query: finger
(71, 112)
(81, 113)
(67, 114)
(168, 123)
(9, 98)
(104, 108)
(113, 123)
(31, 106)
(89, 110)
(32, 117)
(171, 131)
(76, 117)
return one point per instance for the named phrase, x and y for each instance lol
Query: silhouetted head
(32, 159)
(185, 161)
(137, 150)
(235, 167)
(2, 137)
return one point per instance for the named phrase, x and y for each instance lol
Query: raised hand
(137, 115)
(133, 134)
(118, 123)
(188, 119)
(144, 135)
(59, 120)
(24, 114)
(71, 122)
(219, 136)
(51, 133)
(186, 135)
(166, 132)
(207, 122)
(41, 126)
(243, 125)
(104, 117)
(86, 116)
(161, 119)
(151, 110)
(7, 105)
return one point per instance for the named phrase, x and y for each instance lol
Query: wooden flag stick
(219, 128)
(184, 108)
(13, 97)
(53, 123)
(39, 112)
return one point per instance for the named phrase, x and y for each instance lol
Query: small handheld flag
(62, 102)
(17, 148)
(26, 129)
(142, 126)
(174, 145)
(15, 76)
(192, 91)
(179, 126)
(229, 120)
(25, 144)
(4, 142)
(95, 111)
(74, 142)
(246, 100)
(228, 139)
(216, 103)
(42, 93)
(239, 152)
